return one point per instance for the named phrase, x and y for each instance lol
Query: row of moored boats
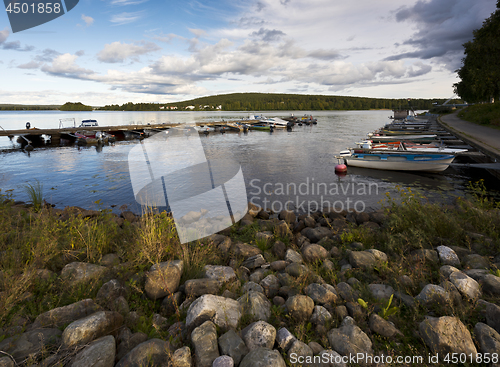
(409, 144)
(260, 123)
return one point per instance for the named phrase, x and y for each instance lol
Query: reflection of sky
(81, 176)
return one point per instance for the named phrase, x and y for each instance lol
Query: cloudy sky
(116, 51)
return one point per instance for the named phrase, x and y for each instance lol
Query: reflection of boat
(260, 127)
(204, 129)
(400, 161)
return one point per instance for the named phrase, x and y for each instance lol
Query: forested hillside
(266, 102)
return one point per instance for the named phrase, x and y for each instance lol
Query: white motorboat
(401, 161)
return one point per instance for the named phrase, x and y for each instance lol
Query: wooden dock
(70, 130)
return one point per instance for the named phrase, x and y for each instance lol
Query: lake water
(293, 169)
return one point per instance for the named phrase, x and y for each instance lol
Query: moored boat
(396, 138)
(401, 161)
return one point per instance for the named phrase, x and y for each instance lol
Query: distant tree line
(75, 106)
(18, 107)
(272, 102)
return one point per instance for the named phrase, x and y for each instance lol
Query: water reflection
(306, 155)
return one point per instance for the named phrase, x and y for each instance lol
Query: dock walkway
(483, 138)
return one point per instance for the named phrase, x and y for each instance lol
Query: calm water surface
(294, 168)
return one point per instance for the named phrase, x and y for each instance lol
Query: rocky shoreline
(286, 289)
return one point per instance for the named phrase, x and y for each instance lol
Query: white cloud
(119, 52)
(65, 66)
(4, 35)
(88, 20)
(125, 18)
(29, 65)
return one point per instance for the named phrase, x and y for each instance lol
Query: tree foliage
(480, 73)
(75, 106)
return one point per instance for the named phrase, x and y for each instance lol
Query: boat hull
(394, 162)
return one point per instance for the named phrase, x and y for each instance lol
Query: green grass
(487, 114)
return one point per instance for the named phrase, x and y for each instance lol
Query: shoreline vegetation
(411, 279)
(487, 114)
(251, 102)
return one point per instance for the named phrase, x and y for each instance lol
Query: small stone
(293, 256)
(314, 252)
(263, 357)
(381, 291)
(223, 361)
(163, 279)
(320, 315)
(299, 348)
(382, 327)
(151, 352)
(300, 307)
(447, 270)
(182, 357)
(362, 259)
(224, 274)
(285, 339)
(256, 305)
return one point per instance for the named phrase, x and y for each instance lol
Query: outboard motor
(28, 125)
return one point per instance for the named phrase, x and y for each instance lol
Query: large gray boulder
(382, 327)
(271, 285)
(77, 272)
(263, 357)
(232, 345)
(316, 234)
(259, 334)
(206, 348)
(255, 305)
(447, 256)
(61, 316)
(362, 259)
(493, 316)
(491, 284)
(467, 286)
(110, 291)
(30, 343)
(434, 296)
(225, 312)
(224, 274)
(91, 327)
(312, 253)
(297, 349)
(163, 279)
(445, 335)
(349, 339)
(152, 352)
(198, 287)
(488, 338)
(320, 295)
(99, 353)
